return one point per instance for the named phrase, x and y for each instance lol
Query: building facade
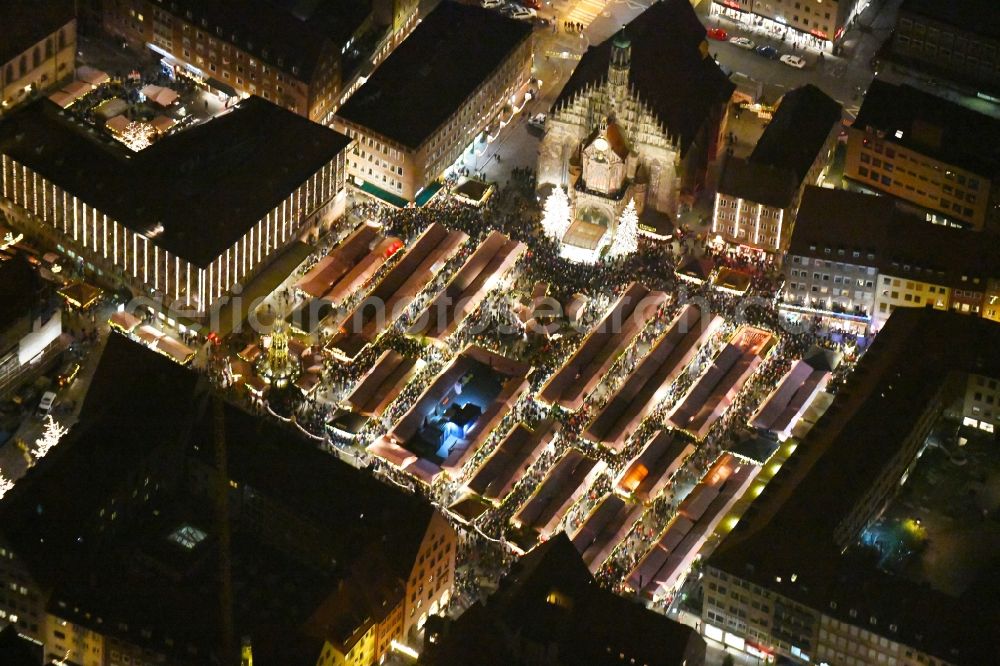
(648, 98)
(162, 259)
(855, 258)
(957, 41)
(302, 61)
(417, 114)
(754, 207)
(757, 198)
(934, 154)
(38, 49)
(813, 22)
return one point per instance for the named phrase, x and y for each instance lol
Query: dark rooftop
(790, 528)
(284, 33)
(19, 289)
(550, 602)
(977, 16)
(760, 183)
(207, 185)
(302, 522)
(800, 127)
(27, 23)
(433, 71)
(18, 651)
(671, 69)
(902, 244)
(932, 126)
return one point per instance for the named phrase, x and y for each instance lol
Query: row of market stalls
(396, 290)
(587, 367)
(484, 270)
(132, 327)
(663, 565)
(646, 386)
(718, 386)
(563, 485)
(454, 415)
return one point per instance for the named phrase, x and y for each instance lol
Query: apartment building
(854, 258)
(787, 582)
(957, 41)
(433, 97)
(174, 221)
(127, 573)
(803, 21)
(301, 56)
(757, 198)
(38, 48)
(936, 155)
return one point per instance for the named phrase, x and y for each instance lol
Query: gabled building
(757, 198)
(651, 98)
(169, 528)
(550, 611)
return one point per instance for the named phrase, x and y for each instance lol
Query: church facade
(638, 120)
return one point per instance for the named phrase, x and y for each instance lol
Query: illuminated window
(187, 536)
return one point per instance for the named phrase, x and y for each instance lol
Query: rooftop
(285, 33)
(785, 541)
(186, 182)
(932, 126)
(428, 77)
(760, 183)
(146, 567)
(671, 69)
(978, 16)
(27, 23)
(903, 245)
(798, 130)
(550, 599)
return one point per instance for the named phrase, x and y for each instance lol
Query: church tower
(621, 60)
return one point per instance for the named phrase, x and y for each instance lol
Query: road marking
(586, 11)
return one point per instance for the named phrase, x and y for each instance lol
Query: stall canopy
(117, 124)
(94, 77)
(80, 294)
(160, 95)
(163, 123)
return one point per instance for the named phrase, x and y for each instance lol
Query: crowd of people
(495, 324)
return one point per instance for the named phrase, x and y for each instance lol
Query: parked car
(537, 120)
(793, 61)
(492, 4)
(718, 34)
(521, 13)
(45, 404)
(768, 52)
(743, 43)
(67, 373)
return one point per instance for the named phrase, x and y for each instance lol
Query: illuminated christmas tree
(5, 485)
(51, 434)
(627, 235)
(555, 216)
